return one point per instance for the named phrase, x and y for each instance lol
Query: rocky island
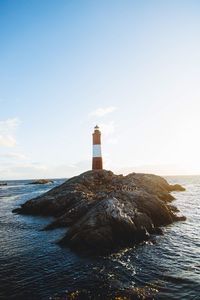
(41, 181)
(104, 212)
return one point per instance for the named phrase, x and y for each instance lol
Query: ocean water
(34, 267)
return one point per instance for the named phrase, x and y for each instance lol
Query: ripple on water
(34, 267)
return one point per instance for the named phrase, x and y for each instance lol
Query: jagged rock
(110, 224)
(105, 211)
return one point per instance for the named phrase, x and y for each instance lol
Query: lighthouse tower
(97, 163)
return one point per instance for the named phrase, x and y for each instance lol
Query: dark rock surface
(105, 211)
(41, 181)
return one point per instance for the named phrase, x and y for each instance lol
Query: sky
(132, 67)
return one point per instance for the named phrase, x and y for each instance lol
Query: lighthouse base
(97, 163)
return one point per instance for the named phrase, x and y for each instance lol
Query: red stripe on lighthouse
(97, 163)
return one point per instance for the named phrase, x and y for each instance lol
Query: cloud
(7, 131)
(158, 169)
(100, 112)
(7, 141)
(14, 155)
(9, 124)
(27, 170)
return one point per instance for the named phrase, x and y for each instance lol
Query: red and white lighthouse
(97, 163)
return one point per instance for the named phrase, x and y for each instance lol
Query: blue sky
(133, 67)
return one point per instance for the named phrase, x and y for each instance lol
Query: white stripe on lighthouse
(96, 150)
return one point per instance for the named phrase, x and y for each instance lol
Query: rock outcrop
(105, 211)
(41, 181)
(176, 187)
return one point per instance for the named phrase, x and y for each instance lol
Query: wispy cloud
(20, 170)
(14, 155)
(9, 124)
(23, 170)
(7, 141)
(100, 112)
(7, 130)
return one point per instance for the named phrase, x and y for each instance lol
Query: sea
(34, 267)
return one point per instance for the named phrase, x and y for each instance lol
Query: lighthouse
(97, 163)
